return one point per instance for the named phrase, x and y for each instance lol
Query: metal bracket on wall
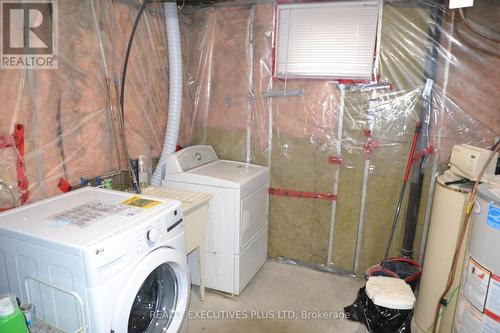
(368, 147)
(288, 93)
(332, 159)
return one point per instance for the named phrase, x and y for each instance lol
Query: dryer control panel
(190, 158)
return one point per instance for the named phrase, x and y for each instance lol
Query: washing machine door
(156, 297)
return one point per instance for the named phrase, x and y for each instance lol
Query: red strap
(369, 148)
(302, 194)
(334, 159)
(22, 179)
(424, 152)
(17, 141)
(349, 82)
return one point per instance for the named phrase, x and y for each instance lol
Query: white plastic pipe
(175, 90)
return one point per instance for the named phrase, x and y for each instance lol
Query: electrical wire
(474, 30)
(122, 87)
(465, 223)
(452, 296)
(495, 145)
(9, 189)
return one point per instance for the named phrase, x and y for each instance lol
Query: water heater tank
(448, 210)
(478, 309)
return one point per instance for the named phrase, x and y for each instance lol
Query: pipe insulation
(175, 90)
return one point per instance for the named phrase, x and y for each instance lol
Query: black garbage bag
(378, 319)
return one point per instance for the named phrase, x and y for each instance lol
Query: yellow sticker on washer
(137, 201)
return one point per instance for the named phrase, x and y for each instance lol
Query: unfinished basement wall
(223, 103)
(228, 68)
(72, 119)
(71, 114)
(474, 72)
(361, 235)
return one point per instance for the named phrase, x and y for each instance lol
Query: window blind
(326, 40)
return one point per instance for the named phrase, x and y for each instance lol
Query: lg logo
(29, 34)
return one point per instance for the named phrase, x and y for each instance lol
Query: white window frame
(336, 62)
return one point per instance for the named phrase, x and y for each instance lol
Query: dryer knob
(152, 235)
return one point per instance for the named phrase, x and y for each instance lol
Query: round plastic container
(402, 268)
(11, 318)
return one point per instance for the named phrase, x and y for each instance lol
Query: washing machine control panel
(150, 235)
(153, 235)
(158, 230)
(189, 158)
(153, 228)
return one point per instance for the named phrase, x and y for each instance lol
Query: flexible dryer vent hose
(175, 90)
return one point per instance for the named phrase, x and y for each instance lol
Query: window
(326, 39)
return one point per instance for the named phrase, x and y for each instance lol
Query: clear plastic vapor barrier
(337, 149)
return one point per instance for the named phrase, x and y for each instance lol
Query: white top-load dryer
(236, 233)
(103, 260)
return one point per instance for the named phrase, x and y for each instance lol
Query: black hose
(127, 56)
(122, 85)
(495, 145)
(460, 181)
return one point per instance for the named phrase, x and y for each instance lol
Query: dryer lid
(228, 174)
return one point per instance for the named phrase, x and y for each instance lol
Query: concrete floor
(280, 290)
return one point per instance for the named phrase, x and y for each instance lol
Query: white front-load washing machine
(100, 260)
(237, 230)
